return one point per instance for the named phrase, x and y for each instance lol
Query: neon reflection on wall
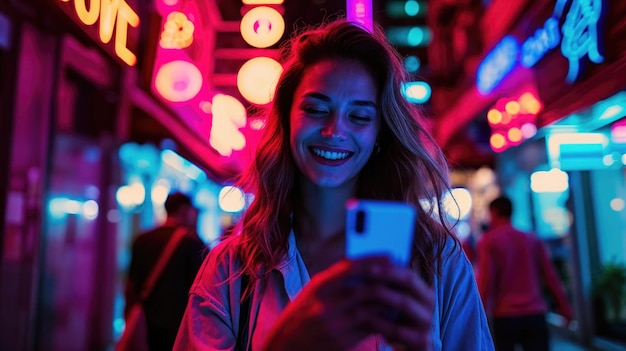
(578, 37)
(113, 14)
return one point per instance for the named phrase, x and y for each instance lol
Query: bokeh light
(262, 27)
(257, 79)
(178, 81)
(231, 199)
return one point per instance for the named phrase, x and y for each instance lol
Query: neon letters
(578, 37)
(113, 14)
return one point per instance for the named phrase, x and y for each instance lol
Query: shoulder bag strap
(244, 317)
(169, 249)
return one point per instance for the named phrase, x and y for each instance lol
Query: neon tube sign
(114, 15)
(360, 11)
(578, 37)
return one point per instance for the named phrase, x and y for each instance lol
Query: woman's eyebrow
(320, 96)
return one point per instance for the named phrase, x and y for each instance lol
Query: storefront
(553, 93)
(91, 153)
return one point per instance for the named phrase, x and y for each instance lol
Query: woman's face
(334, 122)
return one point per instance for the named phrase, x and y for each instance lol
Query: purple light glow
(360, 11)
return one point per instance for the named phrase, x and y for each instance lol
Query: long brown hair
(410, 167)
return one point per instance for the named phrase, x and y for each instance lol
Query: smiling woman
(338, 128)
(334, 123)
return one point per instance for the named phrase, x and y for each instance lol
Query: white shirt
(211, 321)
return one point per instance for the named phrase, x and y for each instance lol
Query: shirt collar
(294, 272)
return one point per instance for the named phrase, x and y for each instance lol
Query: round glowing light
(525, 98)
(177, 31)
(497, 141)
(528, 130)
(178, 81)
(129, 196)
(412, 63)
(512, 107)
(494, 116)
(458, 203)
(90, 209)
(160, 190)
(205, 106)
(514, 134)
(257, 124)
(415, 36)
(417, 92)
(124, 197)
(257, 78)
(617, 204)
(533, 107)
(411, 8)
(608, 160)
(231, 199)
(262, 26)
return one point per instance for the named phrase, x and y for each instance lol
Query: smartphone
(376, 227)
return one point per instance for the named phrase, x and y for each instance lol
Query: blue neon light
(546, 38)
(580, 35)
(497, 64)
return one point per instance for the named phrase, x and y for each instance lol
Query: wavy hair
(409, 167)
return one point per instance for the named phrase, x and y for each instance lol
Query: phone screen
(375, 227)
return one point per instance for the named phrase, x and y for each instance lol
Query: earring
(377, 148)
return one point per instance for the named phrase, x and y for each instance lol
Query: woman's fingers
(353, 299)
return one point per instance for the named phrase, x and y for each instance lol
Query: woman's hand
(410, 300)
(352, 300)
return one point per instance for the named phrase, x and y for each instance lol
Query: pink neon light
(360, 11)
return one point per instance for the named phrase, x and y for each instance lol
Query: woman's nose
(334, 128)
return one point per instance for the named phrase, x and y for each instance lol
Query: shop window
(94, 110)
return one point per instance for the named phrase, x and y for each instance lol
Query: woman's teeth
(330, 155)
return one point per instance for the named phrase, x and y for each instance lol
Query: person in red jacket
(513, 266)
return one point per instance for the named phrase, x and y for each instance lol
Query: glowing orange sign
(114, 15)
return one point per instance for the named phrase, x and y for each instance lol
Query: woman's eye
(362, 119)
(314, 110)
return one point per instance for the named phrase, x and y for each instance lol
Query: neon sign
(545, 38)
(578, 37)
(498, 63)
(114, 15)
(360, 11)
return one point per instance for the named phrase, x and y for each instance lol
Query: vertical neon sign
(580, 35)
(360, 11)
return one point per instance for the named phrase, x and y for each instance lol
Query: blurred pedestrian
(166, 303)
(339, 128)
(513, 267)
